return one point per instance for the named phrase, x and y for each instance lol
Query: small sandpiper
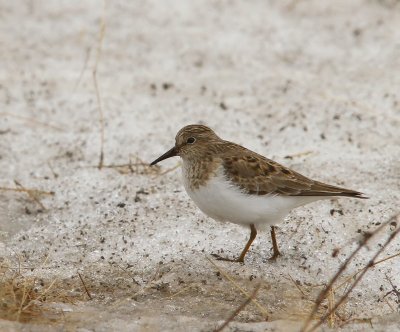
(231, 183)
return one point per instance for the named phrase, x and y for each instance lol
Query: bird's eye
(191, 140)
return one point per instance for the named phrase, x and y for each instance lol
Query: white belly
(223, 201)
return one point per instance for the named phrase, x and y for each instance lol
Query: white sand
(281, 77)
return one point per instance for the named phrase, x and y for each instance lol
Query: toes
(226, 259)
(274, 257)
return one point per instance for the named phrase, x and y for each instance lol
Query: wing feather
(258, 175)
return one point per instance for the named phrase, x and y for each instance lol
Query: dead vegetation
(33, 194)
(31, 121)
(329, 291)
(329, 306)
(137, 166)
(96, 85)
(27, 298)
(239, 309)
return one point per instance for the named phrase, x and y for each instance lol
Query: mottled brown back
(258, 175)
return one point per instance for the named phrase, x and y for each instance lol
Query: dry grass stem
(34, 194)
(99, 104)
(331, 303)
(370, 264)
(31, 191)
(347, 280)
(393, 291)
(345, 101)
(141, 290)
(299, 154)
(84, 286)
(30, 194)
(24, 298)
(138, 166)
(52, 170)
(169, 169)
(357, 320)
(389, 305)
(263, 310)
(85, 63)
(194, 284)
(323, 294)
(127, 272)
(33, 121)
(239, 309)
(297, 286)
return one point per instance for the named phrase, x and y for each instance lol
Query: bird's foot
(274, 256)
(226, 259)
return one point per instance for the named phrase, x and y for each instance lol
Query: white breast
(222, 200)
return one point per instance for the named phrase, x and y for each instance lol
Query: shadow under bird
(231, 183)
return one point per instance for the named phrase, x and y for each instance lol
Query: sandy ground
(311, 84)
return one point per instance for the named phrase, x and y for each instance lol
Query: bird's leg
(274, 245)
(253, 234)
(240, 259)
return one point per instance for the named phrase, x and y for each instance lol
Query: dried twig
(239, 309)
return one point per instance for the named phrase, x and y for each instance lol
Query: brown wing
(258, 175)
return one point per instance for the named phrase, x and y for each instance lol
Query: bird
(231, 183)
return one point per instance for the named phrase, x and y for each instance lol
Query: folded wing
(257, 175)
